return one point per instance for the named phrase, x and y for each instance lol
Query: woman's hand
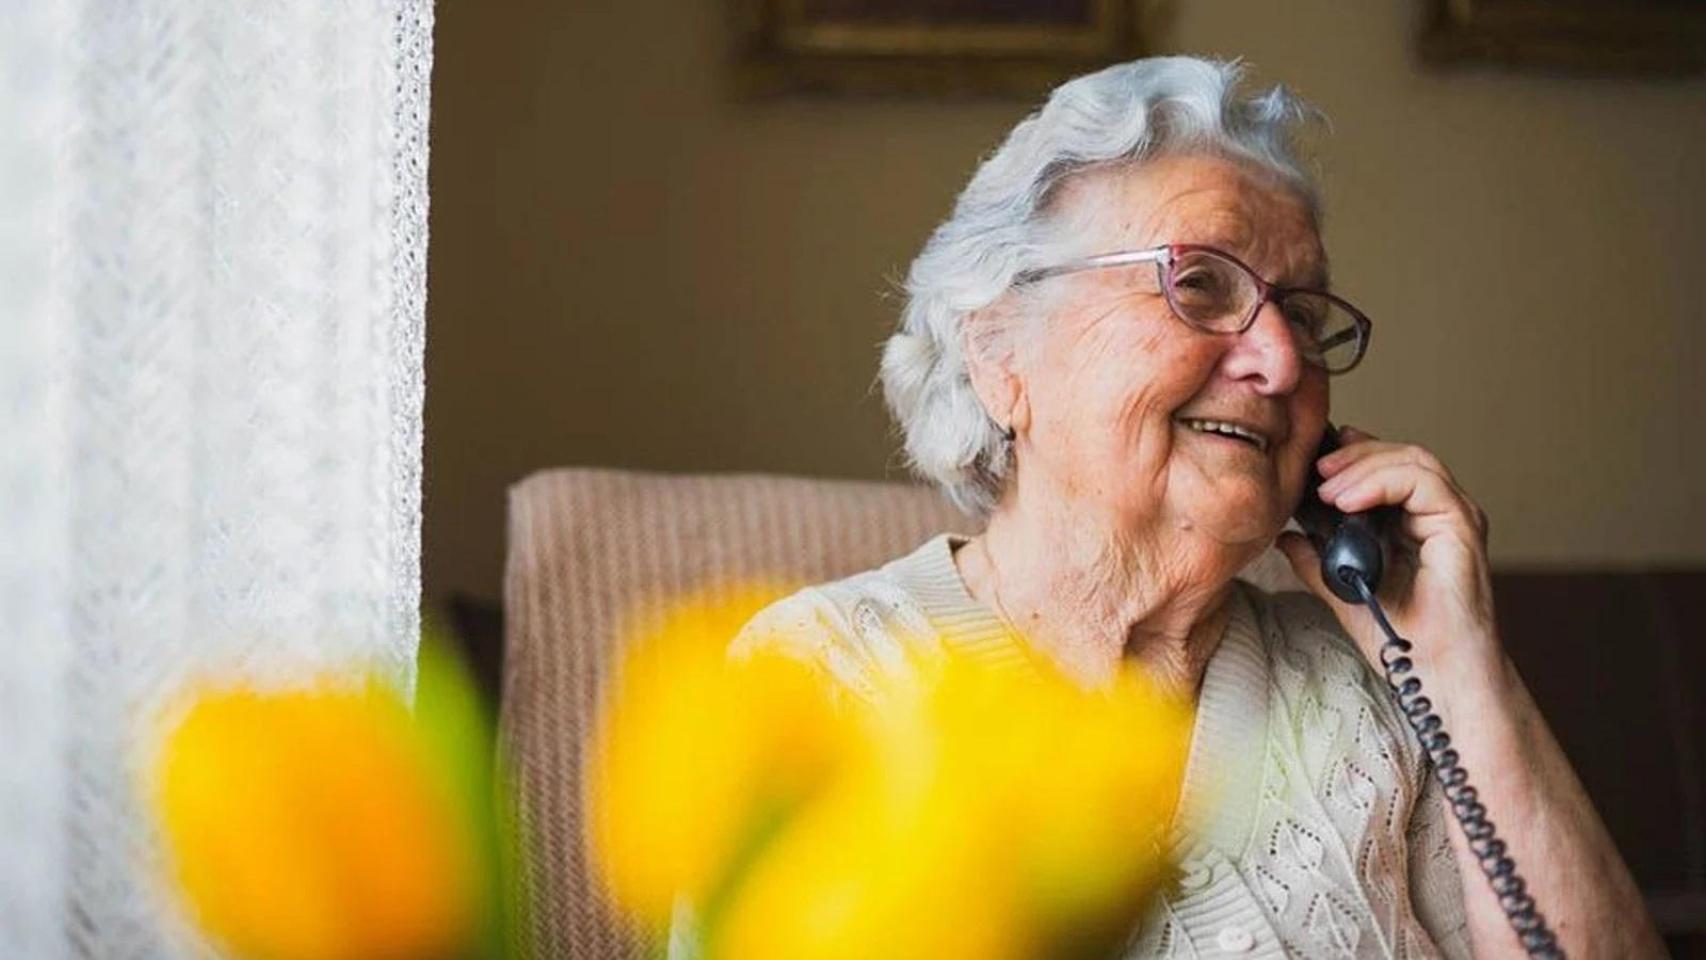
(1438, 593)
(1438, 589)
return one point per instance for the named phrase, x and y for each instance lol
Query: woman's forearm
(1561, 847)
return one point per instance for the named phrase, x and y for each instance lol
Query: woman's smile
(1239, 435)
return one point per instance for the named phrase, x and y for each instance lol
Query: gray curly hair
(1127, 113)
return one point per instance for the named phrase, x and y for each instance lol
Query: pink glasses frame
(1169, 254)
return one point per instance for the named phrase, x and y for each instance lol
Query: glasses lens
(1210, 292)
(1328, 334)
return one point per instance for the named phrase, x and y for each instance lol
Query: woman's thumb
(1306, 563)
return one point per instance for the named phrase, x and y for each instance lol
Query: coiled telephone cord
(1530, 926)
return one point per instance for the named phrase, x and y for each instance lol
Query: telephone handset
(1353, 551)
(1347, 542)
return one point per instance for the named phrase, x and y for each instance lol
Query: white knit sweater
(1307, 824)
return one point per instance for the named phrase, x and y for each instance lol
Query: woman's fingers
(1353, 434)
(1437, 579)
(1352, 453)
(1398, 477)
(1365, 458)
(1350, 439)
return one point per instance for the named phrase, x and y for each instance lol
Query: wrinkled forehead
(1196, 198)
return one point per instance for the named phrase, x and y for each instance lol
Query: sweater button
(1234, 939)
(1197, 875)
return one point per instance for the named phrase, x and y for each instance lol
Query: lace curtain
(212, 263)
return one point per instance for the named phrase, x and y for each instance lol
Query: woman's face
(1108, 383)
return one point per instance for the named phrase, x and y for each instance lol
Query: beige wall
(630, 269)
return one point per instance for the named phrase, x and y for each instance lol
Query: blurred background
(636, 263)
(631, 266)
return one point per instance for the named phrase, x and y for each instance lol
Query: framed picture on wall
(926, 46)
(1606, 36)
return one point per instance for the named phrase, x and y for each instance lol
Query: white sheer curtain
(212, 264)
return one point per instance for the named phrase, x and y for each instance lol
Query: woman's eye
(1307, 320)
(1199, 282)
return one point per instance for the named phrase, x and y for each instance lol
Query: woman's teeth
(1228, 430)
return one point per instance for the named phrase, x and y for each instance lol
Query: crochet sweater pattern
(1308, 825)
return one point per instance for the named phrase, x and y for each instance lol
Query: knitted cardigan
(1325, 837)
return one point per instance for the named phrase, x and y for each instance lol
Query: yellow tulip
(896, 860)
(991, 814)
(1095, 850)
(313, 825)
(971, 813)
(696, 756)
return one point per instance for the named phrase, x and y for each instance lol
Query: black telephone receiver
(1353, 560)
(1349, 543)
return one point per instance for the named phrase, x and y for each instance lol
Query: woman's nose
(1267, 353)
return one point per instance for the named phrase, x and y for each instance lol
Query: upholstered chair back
(590, 546)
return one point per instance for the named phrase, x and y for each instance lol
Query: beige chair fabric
(587, 546)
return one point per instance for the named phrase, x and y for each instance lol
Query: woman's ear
(989, 364)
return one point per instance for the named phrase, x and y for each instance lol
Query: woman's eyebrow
(1307, 272)
(1237, 239)
(1312, 277)
(1310, 274)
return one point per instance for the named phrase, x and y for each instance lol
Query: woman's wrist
(1464, 651)
(1476, 690)
(1494, 724)
(1476, 662)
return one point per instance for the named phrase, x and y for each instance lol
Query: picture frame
(1651, 37)
(938, 47)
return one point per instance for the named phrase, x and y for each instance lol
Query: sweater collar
(966, 627)
(1223, 775)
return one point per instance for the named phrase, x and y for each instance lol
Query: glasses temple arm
(1122, 259)
(1338, 338)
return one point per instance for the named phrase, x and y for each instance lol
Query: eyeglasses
(1215, 292)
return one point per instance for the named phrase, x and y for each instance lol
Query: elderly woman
(1118, 350)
